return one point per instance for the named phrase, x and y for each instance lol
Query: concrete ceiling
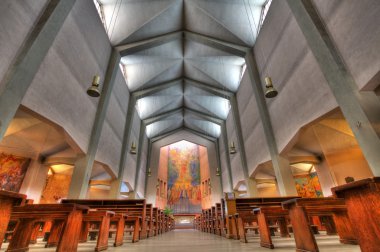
(135, 22)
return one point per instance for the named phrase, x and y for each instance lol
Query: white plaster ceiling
(133, 21)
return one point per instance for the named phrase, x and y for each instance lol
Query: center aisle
(186, 240)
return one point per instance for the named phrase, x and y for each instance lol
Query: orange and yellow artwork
(184, 193)
(308, 186)
(12, 171)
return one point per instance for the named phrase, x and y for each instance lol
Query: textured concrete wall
(58, 91)
(17, 18)
(252, 128)
(354, 27)
(111, 138)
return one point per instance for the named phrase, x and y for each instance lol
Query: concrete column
(218, 160)
(26, 64)
(239, 133)
(361, 109)
(139, 156)
(116, 184)
(228, 161)
(282, 170)
(83, 168)
(147, 167)
(251, 187)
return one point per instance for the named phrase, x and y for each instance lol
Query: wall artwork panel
(12, 171)
(308, 185)
(184, 192)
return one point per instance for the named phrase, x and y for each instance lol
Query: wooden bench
(7, 201)
(301, 209)
(135, 209)
(104, 219)
(239, 211)
(65, 231)
(363, 208)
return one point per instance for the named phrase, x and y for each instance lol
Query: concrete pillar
(147, 167)
(239, 134)
(83, 168)
(251, 185)
(35, 180)
(228, 161)
(116, 184)
(361, 109)
(281, 168)
(139, 156)
(219, 162)
(26, 64)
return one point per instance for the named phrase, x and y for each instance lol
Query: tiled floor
(195, 241)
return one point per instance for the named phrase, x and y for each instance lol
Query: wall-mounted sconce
(232, 148)
(270, 91)
(217, 171)
(149, 172)
(93, 91)
(133, 148)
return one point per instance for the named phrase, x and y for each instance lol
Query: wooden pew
(264, 214)
(300, 209)
(104, 219)
(239, 211)
(65, 231)
(149, 220)
(135, 209)
(7, 201)
(363, 208)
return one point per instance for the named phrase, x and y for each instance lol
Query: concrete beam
(162, 116)
(166, 134)
(116, 184)
(147, 166)
(211, 89)
(59, 160)
(21, 73)
(217, 44)
(218, 160)
(200, 134)
(240, 139)
(139, 156)
(205, 116)
(135, 47)
(156, 88)
(82, 170)
(228, 160)
(282, 170)
(361, 109)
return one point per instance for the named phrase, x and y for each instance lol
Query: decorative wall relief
(12, 171)
(56, 189)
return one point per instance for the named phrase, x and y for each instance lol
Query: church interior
(209, 125)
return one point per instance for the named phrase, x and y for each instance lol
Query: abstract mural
(308, 185)
(12, 171)
(184, 192)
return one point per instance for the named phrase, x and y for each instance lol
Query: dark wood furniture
(7, 201)
(363, 207)
(65, 231)
(301, 209)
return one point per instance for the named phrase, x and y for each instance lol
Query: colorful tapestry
(12, 171)
(184, 192)
(308, 186)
